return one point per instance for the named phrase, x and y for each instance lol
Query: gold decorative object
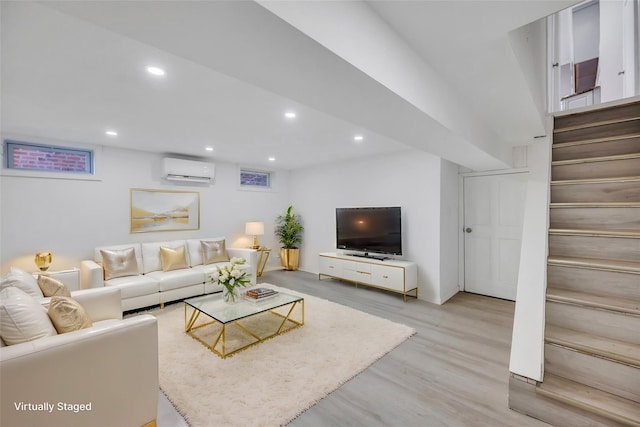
(43, 260)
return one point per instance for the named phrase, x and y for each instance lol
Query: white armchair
(105, 375)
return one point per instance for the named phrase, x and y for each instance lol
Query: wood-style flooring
(453, 372)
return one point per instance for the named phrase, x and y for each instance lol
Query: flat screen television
(371, 229)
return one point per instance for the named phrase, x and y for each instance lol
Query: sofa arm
(250, 255)
(91, 275)
(110, 368)
(100, 303)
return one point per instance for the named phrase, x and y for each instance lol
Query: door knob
(468, 230)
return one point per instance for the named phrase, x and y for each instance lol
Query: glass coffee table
(226, 329)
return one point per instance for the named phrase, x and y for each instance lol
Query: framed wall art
(164, 210)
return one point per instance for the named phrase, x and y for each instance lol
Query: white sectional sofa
(152, 284)
(102, 376)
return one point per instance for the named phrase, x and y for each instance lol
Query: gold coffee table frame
(226, 315)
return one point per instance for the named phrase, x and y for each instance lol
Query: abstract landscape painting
(161, 210)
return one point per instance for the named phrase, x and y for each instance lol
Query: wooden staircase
(592, 332)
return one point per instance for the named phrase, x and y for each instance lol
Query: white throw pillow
(23, 280)
(22, 318)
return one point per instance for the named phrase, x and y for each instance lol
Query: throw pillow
(23, 280)
(173, 258)
(213, 252)
(22, 318)
(68, 315)
(119, 263)
(52, 287)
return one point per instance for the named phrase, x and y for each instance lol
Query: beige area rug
(273, 382)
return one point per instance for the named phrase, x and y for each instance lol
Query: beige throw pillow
(68, 315)
(173, 258)
(119, 263)
(213, 252)
(52, 287)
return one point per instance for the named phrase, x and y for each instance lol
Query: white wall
(409, 179)
(527, 343)
(529, 47)
(71, 217)
(449, 231)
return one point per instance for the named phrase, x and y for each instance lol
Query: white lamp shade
(254, 228)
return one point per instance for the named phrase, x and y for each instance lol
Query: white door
(493, 215)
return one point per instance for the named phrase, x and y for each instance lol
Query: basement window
(29, 156)
(255, 179)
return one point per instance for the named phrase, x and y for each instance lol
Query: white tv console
(391, 275)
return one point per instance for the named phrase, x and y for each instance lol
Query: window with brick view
(47, 158)
(250, 178)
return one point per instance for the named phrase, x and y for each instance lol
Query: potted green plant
(289, 232)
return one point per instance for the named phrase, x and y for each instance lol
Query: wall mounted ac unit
(187, 170)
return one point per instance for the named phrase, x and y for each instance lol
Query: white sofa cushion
(194, 249)
(168, 280)
(22, 318)
(21, 279)
(134, 286)
(151, 254)
(97, 254)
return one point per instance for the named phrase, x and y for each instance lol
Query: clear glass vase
(230, 296)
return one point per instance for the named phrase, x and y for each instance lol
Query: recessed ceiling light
(111, 133)
(272, 159)
(358, 138)
(155, 71)
(290, 115)
(209, 148)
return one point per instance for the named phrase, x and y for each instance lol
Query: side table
(262, 260)
(71, 277)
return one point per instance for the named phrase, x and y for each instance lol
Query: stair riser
(614, 248)
(622, 218)
(523, 398)
(605, 323)
(613, 129)
(592, 170)
(585, 118)
(597, 282)
(605, 192)
(603, 374)
(598, 149)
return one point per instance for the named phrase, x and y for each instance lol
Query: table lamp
(256, 229)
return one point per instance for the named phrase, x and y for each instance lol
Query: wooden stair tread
(619, 351)
(596, 159)
(626, 305)
(596, 264)
(595, 140)
(595, 124)
(587, 398)
(633, 234)
(597, 180)
(595, 205)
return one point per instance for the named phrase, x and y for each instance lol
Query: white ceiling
(72, 70)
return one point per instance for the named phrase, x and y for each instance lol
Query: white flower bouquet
(230, 277)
